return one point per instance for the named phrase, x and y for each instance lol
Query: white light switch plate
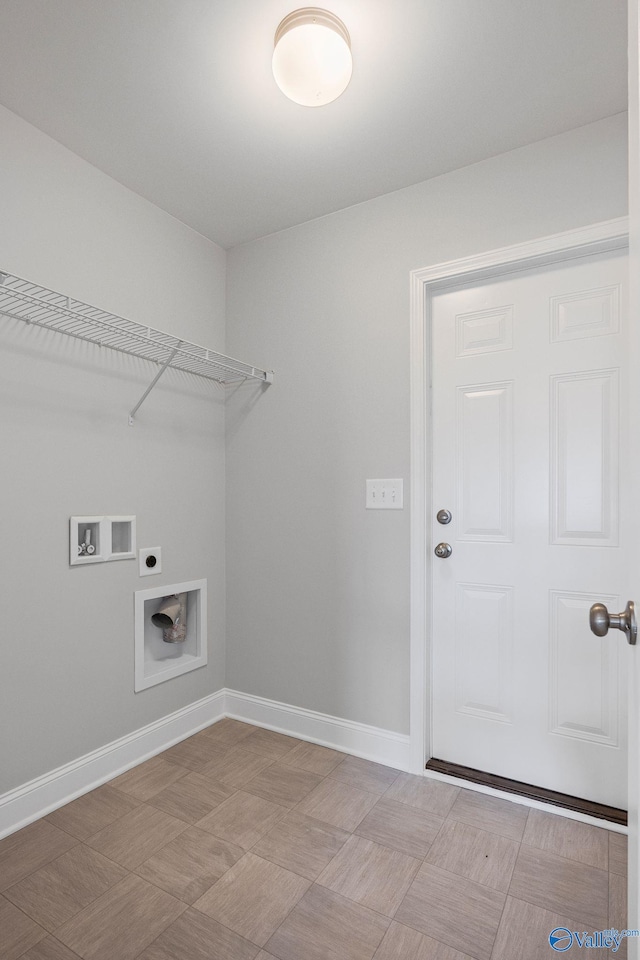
(384, 494)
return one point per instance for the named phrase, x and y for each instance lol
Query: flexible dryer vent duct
(171, 616)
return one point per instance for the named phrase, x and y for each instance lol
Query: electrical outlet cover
(150, 560)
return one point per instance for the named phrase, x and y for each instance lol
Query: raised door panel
(484, 650)
(583, 671)
(585, 314)
(484, 331)
(584, 458)
(484, 462)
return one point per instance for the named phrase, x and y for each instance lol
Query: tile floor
(244, 844)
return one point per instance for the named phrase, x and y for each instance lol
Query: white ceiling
(175, 98)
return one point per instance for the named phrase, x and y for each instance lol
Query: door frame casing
(601, 237)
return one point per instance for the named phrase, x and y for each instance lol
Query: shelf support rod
(152, 385)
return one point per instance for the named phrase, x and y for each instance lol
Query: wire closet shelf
(37, 305)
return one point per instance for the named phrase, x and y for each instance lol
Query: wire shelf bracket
(34, 304)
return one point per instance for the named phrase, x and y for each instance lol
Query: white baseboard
(41, 796)
(359, 739)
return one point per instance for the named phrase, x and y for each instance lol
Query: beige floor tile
(426, 794)
(243, 819)
(192, 797)
(147, 779)
(618, 853)
(238, 767)
(562, 886)
(59, 890)
(301, 844)
(268, 743)
(283, 784)
(194, 936)
(29, 849)
(524, 933)
(365, 775)
(314, 758)
(403, 943)
(503, 817)
(568, 838)
(194, 753)
(475, 854)
(190, 864)
(374, 876)
(455, 911)
(89, 814)
(326, 926)
(49, 949)
(338, 803)
(250, 860)
(137, 836)
(618, 908)
(122, 922)
(228, 732)
(253, 898)
(400, 826)
(17, 931)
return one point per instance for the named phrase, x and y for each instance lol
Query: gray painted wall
(66, 668)
(317, 587)
(318, 599)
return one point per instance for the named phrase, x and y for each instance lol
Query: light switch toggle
(385, 495)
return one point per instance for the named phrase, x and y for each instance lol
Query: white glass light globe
(312, 58)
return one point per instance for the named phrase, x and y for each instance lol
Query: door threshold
(588, 808)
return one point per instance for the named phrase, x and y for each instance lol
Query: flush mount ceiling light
(312, 57)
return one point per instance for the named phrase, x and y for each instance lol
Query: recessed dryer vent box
(155, 659)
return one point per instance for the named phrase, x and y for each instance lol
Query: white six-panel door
(528, 403)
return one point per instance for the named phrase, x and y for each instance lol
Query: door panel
(587, 708)
(484, 660)
(484, 467)
(584, 458)
(527, 418)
